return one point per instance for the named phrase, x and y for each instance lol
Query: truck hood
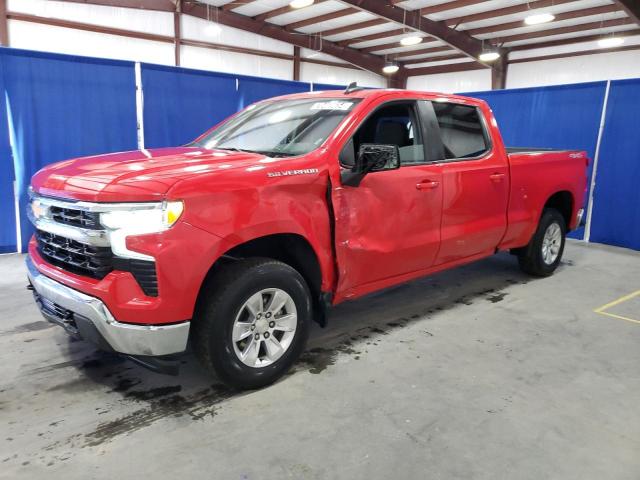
(139, 175)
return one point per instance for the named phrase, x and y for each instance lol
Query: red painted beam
(296, 63)
(177, 31)
(564, 30)
(158, 5)
(321, 18)
(443, 7)
(281, 11)
(571, 41)
(415, 21)
(454, 67)
(365, 61)
(235, 4)
(500, 27)
(632, 7)
(355, 26)
(4, 24)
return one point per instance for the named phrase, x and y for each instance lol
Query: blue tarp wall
(55, 107)
(180, 104)
(7, 211)
(616, 212)
(61, 107)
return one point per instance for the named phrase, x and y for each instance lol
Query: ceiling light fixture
(488, 56)
(390, 68)
(539, 18)
(610, 42)
(300, 3)
(411, 40)
(212, 30)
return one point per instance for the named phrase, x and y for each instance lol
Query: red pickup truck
(237, 241)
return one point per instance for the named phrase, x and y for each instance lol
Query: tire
(532, 257)
(232, 297)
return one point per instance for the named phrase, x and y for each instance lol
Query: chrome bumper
(61, 305)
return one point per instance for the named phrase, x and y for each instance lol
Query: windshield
(280, 128)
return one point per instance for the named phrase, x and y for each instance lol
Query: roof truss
(461, 33)
(632, 7)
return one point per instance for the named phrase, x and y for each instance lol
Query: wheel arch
(292, 249)
(563, 202)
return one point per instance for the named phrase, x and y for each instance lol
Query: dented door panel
(388, 225)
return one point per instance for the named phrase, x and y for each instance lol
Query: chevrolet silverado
(236, 242)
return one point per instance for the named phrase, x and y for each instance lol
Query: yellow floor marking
(601, 310)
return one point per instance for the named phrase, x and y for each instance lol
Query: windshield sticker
(332, 105)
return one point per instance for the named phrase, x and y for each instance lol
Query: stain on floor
(160, 403)
(497, 297)
(28, 327)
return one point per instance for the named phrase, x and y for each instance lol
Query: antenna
(353, 87)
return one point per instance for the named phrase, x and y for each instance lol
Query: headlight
(38, 210)
(139, 220)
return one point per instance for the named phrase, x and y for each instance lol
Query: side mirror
(372, 158)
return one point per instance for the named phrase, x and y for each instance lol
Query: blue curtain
(180, 104)
(252, 89)
(616, 208)
(63, 106)
(561, 117)
(8, 223)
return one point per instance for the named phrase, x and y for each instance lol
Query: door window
(461, 129)
(394, 124)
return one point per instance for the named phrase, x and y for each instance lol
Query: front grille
(75, 257)
(94, 262)
(77, 218)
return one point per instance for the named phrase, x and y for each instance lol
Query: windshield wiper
(261, 152)
(235, 149)
(274, 153)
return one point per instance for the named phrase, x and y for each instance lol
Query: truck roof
(379, 92)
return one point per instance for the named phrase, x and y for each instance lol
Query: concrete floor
(479, 372)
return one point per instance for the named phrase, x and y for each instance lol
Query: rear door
(389, 225)
(475, 180)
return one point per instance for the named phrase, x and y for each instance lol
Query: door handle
(496, 177)
(427, 185)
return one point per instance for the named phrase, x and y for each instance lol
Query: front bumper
(89, 318)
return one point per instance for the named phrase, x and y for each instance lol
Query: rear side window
(462, 131)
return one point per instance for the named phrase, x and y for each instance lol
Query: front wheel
(252, 322)
(544, 252)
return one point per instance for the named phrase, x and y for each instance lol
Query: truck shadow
(353, 327)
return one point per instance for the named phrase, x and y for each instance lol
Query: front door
(389, 225)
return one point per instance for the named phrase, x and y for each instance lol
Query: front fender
(239, 212)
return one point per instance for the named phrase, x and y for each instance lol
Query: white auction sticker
(332, 105)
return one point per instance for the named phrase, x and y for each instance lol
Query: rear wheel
(544, 252)
(252, 322)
